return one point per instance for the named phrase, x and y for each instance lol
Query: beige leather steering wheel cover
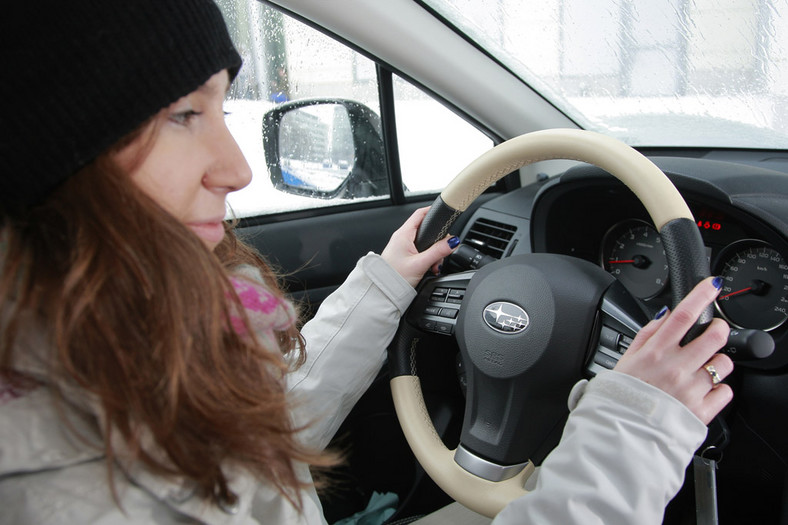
(663, 203)
(646, 180)
(485, 497)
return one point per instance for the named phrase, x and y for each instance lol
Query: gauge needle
(638, 261)
(757, 287)
(737, 292)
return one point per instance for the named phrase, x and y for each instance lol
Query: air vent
(490, 237)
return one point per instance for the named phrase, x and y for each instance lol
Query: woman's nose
(229, 171)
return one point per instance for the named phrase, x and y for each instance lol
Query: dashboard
(623, 241)
(741, 212)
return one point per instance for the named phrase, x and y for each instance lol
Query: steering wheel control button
(427, 324)
(439, 294)
(455, 296)
(450, 313)
(605, 360)
(444, 328)
(506, 318)
(439, 313)
(609, 338)
(612, 345)
(624, 343)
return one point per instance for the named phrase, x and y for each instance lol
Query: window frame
(385, 88)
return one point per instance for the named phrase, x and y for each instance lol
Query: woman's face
(192, 162)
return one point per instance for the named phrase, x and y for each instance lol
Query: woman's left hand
(402, 255)
(691, 373)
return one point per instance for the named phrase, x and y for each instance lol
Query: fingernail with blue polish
(661, 313)
(453, 242)
(717, 282)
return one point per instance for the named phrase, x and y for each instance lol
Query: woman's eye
(183, 117)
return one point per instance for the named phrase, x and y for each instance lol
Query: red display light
(709, 225)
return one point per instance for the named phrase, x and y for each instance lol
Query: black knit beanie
(78, 75)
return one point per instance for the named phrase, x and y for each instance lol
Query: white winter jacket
(621, 459)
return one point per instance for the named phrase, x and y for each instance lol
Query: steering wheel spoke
(621, 317)
(478, 466)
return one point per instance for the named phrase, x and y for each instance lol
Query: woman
(151, 367)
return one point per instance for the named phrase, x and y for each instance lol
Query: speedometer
(755, 285)
(632, 251)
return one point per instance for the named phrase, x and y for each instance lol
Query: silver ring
(715, 377)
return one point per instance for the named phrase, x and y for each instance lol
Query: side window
(434, 143)
(287, 61)
(313, 105)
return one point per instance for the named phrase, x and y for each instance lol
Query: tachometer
(632, 251)
(755, 285)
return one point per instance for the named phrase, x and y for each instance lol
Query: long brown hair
(137, 311)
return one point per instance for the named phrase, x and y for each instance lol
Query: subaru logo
(506, 318)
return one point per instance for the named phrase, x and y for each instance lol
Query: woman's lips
(212, 232)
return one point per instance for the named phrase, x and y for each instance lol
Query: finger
(688, 310)
(443, 248)
(414, 221)
(410, 227)
(647, 331)
(707, 344)
(714, 402)
(720, 365)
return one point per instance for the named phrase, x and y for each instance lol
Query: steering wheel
(527, 326)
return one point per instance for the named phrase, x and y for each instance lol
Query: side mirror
(325, 148)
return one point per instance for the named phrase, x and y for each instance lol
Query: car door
(315, 235)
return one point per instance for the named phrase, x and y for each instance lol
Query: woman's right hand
(401, 252)
(656, 357)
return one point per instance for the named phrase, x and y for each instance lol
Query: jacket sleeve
(621, 458)
(345, 347)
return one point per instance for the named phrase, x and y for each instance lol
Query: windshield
(698, 73)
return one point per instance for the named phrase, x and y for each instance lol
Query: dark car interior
(584, 213)
(737, 194)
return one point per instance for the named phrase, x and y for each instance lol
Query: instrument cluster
(755, 273)
(740, 215)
